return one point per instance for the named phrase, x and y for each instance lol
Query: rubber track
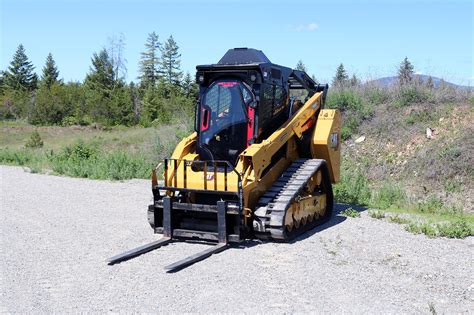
(280, 196)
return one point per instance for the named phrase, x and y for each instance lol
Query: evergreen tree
(150, 61)
(341, 76)
(405, 72)
(51, 106)
(429, 83)
(101, 75)
(301, 66)
(190, 87)
(99, 87)
(170, 62)
(354, 80)
(2, 81)
(50, 72)
(20, 75)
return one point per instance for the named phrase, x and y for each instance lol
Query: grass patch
(398, 219)
(457, 229)
(388, 196)
(350, 213)
(92, 152)
(354, 107)
(376, 214)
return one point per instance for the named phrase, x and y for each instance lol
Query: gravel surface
(56, 233)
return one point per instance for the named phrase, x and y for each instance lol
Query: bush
(353, 107)
(411, 94)
(353, 188)
(389, 195)
(84, 160)
(455, 229)
(35, 141)
(15, 157)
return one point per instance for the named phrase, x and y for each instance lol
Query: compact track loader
(260, 163)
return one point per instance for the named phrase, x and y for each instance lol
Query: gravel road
(56, 233)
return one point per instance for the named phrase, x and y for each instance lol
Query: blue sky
(369, 37)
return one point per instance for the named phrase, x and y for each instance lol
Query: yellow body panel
(326, 141)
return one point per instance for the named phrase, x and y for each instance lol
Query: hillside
(423, 78)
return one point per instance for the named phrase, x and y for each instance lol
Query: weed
(422, 228)
(15, 157)
(389, 195)
(350, 213)
(432, 308)
(376, 214)
(398, 219)
(452, 186)
(353, 188)
(456, 229)
(450, 152)
(35, 141)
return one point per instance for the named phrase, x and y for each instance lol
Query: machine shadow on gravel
(335, 219)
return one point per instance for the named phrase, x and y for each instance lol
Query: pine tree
(99, 87)
(429, 83)
(170, 62)
(50, 72)
(354, 80)
(190, 87)
(101, 75)
(405, 72)
(341, 76)
(150, 61)
(20, 75)
(301, 66)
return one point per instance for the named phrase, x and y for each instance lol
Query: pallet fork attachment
(168, 238)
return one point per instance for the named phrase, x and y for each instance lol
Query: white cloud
(418, 72)
(312, 26)
(307, 27)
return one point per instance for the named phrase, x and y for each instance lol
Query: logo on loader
(209, 177)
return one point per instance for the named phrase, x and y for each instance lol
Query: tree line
(161, 94)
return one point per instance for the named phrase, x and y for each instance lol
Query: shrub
(35, 141)
(389, 195)
(353, 188)
(376, 214)
(422, 228)
(15, 157)
(84, 160)
(456, 229)
(411, 94)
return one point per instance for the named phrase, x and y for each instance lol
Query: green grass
(376, 214)
(115, 153)
(455, 229)
(350, 213)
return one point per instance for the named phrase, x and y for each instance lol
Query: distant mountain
(389, 81)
